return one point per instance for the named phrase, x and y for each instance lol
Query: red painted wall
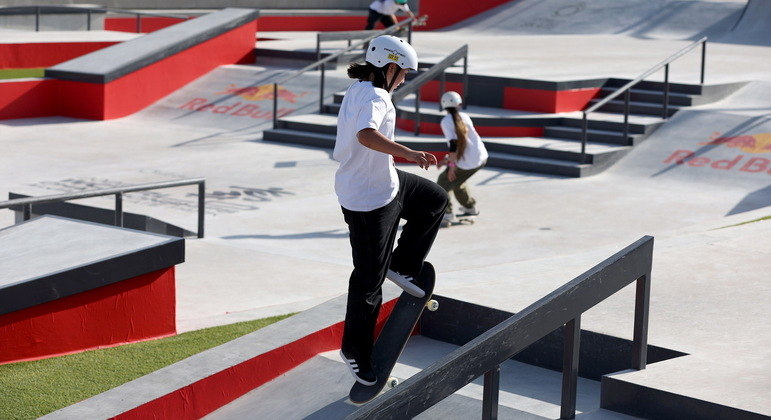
(44, 54)
(443, 13)
(28, 98)
(148, 24)
(550, 101)
(201, 398)
(137, 90)
(136, 309)
(430, 91)
(312, 23)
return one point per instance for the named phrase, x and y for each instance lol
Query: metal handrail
(390, 29)
(351, 35)
(415, 84)
(27, 202)
(87, 10)
(560, 309)
(627, 87)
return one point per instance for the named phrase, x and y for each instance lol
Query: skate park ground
(276, 242)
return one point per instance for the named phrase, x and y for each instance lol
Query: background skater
(374, 196)
(385, 12)
(467, 155)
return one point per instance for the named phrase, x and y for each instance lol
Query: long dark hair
(461, 132)
(362, 71)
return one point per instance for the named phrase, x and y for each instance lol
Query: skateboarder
(385, 12)
(374, 196)
(467, 155)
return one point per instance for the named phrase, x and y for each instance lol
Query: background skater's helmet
(451, 100)
(400, 1)
(390, 49)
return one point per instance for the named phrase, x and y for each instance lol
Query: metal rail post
(27, 212)
(665, 112)
(703, 60)
(490, 394)
(626, 115)
(465, 81)
(321, 90)
(275, 105)
(139, 23)
(571, 334)
(584, 124)
(641, 309)
(201, 207)
(442, 81)
(417, 112)
(119, 209)
(37, 19)
(88, 19)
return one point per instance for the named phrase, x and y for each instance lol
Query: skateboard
(396, 331)
(462, 220)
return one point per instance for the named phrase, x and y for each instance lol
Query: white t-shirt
(366, 179)
(388, 7)
(476, 153)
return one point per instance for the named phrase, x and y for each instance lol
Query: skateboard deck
(396, 331)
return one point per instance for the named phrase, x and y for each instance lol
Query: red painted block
(430, 91)
(539, 100)
(136, 309)
(28, 98)
(484, 131)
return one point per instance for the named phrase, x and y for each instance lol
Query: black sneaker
(361, 370)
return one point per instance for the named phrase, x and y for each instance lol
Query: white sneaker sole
(406, 286)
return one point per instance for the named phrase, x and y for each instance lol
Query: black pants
(374, 16)
(421, 203)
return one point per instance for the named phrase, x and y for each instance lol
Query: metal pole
(465, 80)
(37, 19)
(703, 59)
(88, 19)
(321, 89)
(409, 33)
(119, 209)
(641, 307)
(442, 81)
(490, 394)
(583, 139)
(666, 93)
(275, 104)
(571, 334)
(626, 115)
(318, 47)
(27, 212)
(417, 112)
(139, 23)
(201, 207)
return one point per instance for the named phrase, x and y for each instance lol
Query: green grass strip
(744, 223)
(21, 73)
(31, 389)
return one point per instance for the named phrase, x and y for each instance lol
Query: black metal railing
(88, 11)
(322, 64)
(627, 87)
(27, 203)
(414, 85)
(560, 309)
(352, 35)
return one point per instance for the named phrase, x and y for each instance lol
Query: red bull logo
(754, 143)
(262, 92)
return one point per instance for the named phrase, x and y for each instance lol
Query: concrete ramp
(754, 28)
(237, 100)
(726, 144)
(658, 19)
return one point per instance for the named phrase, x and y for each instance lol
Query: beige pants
(458, 187)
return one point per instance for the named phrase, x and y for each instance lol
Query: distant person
(374, 196)
(385, 12)
(467, 155)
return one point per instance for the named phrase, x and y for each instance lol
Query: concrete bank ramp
(237, 100)
(724, 145)
(658, 19)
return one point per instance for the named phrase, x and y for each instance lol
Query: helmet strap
(393, 79)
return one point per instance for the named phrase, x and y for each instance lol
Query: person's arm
(373, 139)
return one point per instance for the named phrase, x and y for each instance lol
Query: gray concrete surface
(276, 241)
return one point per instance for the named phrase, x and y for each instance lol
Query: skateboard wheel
(392, 382)
(432, 305)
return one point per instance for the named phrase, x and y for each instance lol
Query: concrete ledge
(51, 257)
(111, 63)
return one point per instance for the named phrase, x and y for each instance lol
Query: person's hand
(423, 159)
(451, 174)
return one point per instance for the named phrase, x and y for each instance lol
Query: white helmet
(390, 49)
(451, 100)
